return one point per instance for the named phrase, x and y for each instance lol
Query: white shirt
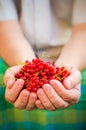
(45, 22)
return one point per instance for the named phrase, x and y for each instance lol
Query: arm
(73, 53)
(14, 47)
(56, 95)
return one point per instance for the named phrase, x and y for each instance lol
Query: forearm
(74, 52)
(14, 47)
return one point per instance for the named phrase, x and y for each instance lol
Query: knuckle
(18, 106)
(55, 102)
(62, 105)
(29, 107)
(24, 95)
(8, 98)
(49, 107)
(75, 100)
(59, 105)
(53, 109)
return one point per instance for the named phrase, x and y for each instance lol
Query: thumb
(73, 79)
(10, 74)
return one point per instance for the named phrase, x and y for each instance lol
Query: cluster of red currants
(38, 72)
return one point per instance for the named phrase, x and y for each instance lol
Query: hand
(56, 95)
(21, 99)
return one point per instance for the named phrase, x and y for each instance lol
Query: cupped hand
(15, 94)
(57, 95)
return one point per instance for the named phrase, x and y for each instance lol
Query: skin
(57, 95)
(14, 47)
(54, 95)
(71, 56)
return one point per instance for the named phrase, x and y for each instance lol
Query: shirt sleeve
(79, 12)
(7, 10)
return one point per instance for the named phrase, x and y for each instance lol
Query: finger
(53, 96)
(21, 101)
(39, 104)
(10, 83)
(46, 101)
(9, 75)
(31, 102)
(73, 79)
(12, 94)
(69, 95)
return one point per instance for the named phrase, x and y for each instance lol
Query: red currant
(38, 72)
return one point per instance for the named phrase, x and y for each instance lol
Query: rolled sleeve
(7, 10)
(79, 12)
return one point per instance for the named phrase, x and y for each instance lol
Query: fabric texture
(72, 118)
(40, 24)
(7, 10)
(45, 22)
